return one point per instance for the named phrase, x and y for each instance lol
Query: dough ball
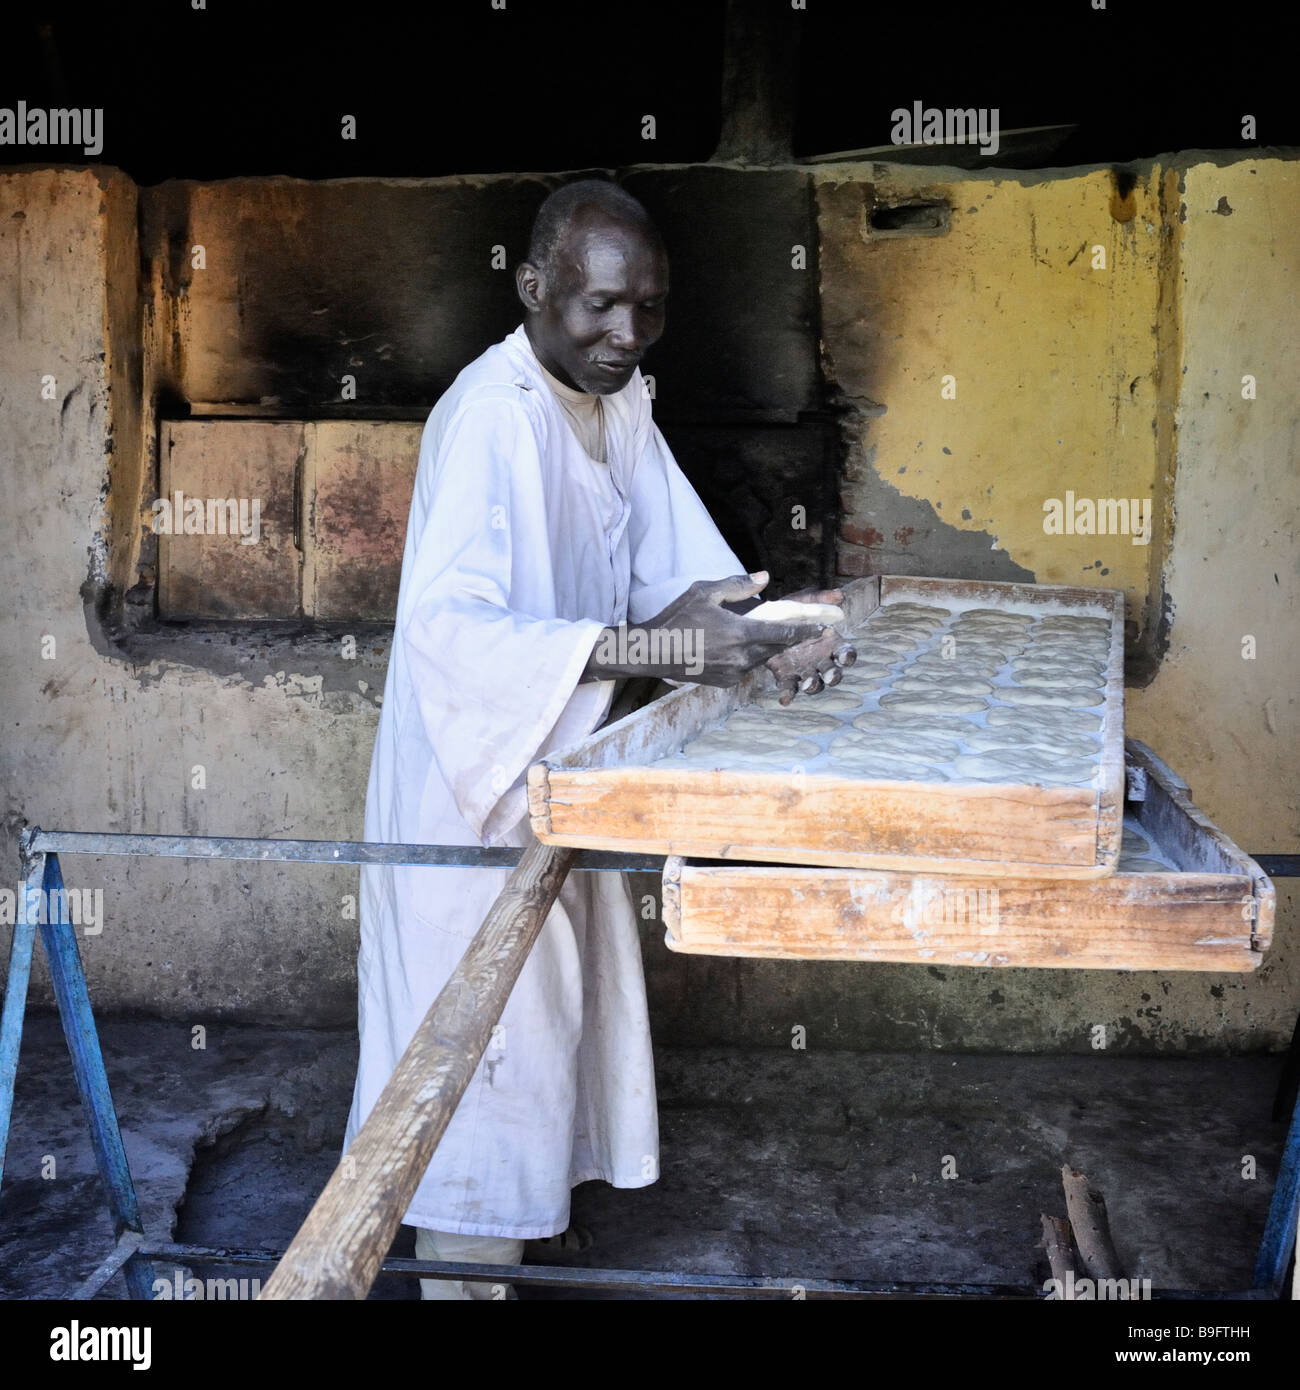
(1007, 740)
(1071, 679)
(984, 646)
(930, 663)
(864, 638)
(1046, 679)
(925, 609)
(1018, 767)
(915, 635)
(1060, 643)
(1071, 622)
(1000, 615)
(998, 631)
(785, 610)
(866, 761)
(940, 675)
(721, 749)
(883, 617)
(793, 721)
(953, 684)
(882, 722)
(1055, 680)
(1074, 697)
(972, 663)
(1060, 720)
(906, 617)
(920, 744)
(965, 645)
(989, 625)
(938, 703)
(864, 675)
(1037, 661)
(1056, 638)
(935, 661)
(1072, 651)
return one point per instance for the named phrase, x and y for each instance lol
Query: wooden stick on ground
(341, 1245)
(1059, 1245)
(1087, 1209)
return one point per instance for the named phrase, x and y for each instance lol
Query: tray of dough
(981, 731)
(1183, 897)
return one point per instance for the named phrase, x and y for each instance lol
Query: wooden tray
(603, 794)
(1213, 912)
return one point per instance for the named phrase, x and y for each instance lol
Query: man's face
(604, 305)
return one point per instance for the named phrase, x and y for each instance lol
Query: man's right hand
(696, 639)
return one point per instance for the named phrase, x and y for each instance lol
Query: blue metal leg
(69, 983)
(1279, 1230)
(20, 971)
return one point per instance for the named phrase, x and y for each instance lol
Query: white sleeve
(490, 682)
(673, 539)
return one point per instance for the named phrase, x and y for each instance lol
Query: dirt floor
(790, 1165)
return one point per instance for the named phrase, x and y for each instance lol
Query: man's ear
(530, 286)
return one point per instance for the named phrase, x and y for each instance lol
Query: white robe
(520, 548)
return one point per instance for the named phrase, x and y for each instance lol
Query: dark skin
(590, 322)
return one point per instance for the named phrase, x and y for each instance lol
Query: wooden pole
(342, 1243)
(1087, 1210)
(1059, 1244)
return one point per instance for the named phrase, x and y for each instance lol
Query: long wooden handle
(341, 1245)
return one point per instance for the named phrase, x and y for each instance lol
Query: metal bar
(15, 1006)
(576, 1277)
(128, 1244)
(315, 851)
(753, 1285)
(69, 983)
(1280, 1227)
(1279, 865)
(37, 841)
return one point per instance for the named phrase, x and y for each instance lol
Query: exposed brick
(860, 535)
(855, 563)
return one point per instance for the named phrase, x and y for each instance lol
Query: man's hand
(812, 666)
(697, 638)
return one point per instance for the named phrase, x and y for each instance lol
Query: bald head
(594, 285)
(582, 204)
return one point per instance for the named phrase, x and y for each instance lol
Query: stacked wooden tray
(1120, 871)
(1208, 906)
(608, 793)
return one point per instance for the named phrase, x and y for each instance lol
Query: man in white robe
(547, 510)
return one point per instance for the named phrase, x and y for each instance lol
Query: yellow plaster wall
(1052, 355)
(1230, 724)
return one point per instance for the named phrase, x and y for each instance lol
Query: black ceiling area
(466, 86)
